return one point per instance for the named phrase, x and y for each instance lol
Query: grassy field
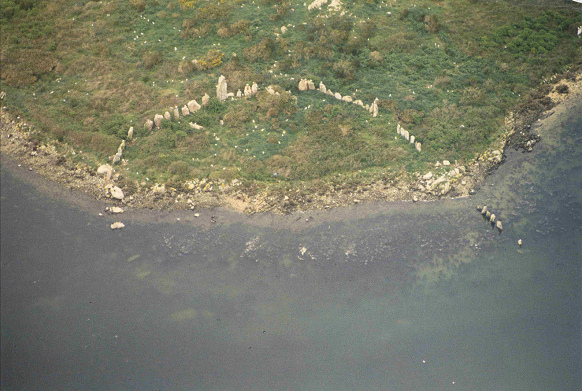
(83, 72)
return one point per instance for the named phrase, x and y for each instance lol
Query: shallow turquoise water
(427, 297)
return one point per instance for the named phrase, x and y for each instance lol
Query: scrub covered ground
(81, 73)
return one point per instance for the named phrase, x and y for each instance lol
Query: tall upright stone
(411, 140)
(375, 108)
(205, 99)
(310, 85)
(176, 113)
(322, 87)
(254, 88)
(185, 110)
(248, 91)
(221, 88)
(130, 133)
(158, 120)
(167, 115)
(303, 85)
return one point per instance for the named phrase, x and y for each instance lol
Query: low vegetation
(82, 72)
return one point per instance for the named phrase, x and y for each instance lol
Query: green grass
(83, 72)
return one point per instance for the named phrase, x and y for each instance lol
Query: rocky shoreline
(61, 163)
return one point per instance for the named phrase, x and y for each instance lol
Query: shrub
(344, 69)
(431, 24)
(211, 59)
(21, 67)
(150, 60)
(179, 168)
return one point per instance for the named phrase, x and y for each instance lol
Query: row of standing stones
(305, 85)
(490, 217)
(222, 94)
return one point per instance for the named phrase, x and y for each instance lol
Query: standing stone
(303, 85)
(359, 103)
(130, 133)
(176, 113)
(270, 90)
(347, 98)
(121, 147)
(398, 130)
(158, 120)
(519, 242)
(492, 218)
(116, 157)
(411, 139)
(193, 106)
(167, 115)
(149, 125)
(418, 147)
(283, 29)
(185, 110)
(322, 87)
(406, 135)
(499, 225)
(205, 99)
(375, 108)
(484, 210)
(239, 94)
(254, 88)
(310, 85)
(338, 96)
(221, 88)
(248, 91)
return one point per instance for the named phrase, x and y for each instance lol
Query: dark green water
(414, 297)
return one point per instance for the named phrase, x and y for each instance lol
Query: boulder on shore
(103, 169)
(116, 193)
